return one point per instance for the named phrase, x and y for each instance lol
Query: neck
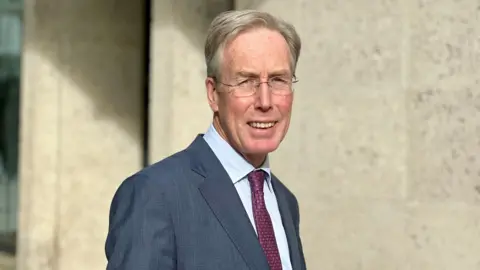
(256, 160)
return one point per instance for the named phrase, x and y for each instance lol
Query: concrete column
(178, 100)
(81, 126)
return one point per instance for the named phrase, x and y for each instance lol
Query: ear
(212, 93)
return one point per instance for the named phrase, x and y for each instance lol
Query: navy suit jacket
(184, 213)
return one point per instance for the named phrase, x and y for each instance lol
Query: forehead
(257, 51)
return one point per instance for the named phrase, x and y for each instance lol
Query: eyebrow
(245, 73)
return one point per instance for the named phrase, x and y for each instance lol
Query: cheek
(284, 105)
(236, 108)
(232, 111)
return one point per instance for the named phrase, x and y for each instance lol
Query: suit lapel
(288, 223)
(222, 198)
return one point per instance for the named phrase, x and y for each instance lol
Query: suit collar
(222, 198)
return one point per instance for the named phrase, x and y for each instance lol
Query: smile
(262, 125)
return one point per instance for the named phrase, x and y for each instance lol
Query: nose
(264, 97)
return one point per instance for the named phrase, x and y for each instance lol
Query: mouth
(262, 125)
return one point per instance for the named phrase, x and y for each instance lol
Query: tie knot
(256, 179)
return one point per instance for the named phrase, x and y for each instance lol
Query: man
(216, 205)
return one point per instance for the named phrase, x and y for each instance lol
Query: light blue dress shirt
(238, 169)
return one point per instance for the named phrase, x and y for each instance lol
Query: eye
(248, 83)
(279, 79)
(243, 82)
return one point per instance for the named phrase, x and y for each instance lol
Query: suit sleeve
(141, 235)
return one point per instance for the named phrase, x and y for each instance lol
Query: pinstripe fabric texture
(238, 169)
(183, 213)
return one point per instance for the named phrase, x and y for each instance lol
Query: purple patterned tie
(263, 223)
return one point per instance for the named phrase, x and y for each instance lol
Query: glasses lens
(282, 92)
(243, 91)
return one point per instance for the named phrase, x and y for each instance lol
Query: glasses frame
(232, 87)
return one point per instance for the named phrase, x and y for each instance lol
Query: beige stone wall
(383, 149)
(81, 126)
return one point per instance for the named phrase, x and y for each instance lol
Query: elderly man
(216, 205)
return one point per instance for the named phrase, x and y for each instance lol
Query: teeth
(261, 125)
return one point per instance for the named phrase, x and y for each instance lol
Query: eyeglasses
(281, 86)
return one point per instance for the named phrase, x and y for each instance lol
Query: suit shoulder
(160, 174)
(171, 165)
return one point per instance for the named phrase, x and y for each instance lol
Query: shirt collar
(235, 164)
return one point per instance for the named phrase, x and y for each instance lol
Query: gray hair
(228, 25)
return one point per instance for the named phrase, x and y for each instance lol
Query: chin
(257, 147)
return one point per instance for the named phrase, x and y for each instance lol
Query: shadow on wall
(100, 47)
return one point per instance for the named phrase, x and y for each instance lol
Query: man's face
(254, 125)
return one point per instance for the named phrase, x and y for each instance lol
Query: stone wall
(383, 152)
(81, 126)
